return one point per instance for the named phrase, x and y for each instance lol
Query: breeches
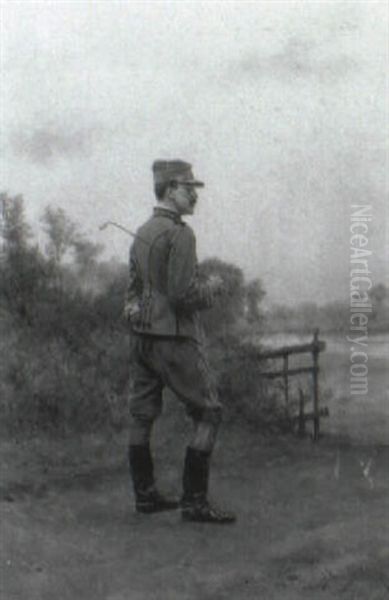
(180, 365)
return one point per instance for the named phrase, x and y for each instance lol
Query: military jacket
(164, 291)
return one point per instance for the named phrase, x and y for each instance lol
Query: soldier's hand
(216, 284)
(131, 311)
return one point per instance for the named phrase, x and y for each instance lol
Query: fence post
(286, 382)
(316, 414)
(301, 427)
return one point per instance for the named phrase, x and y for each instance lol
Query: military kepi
(169, 171)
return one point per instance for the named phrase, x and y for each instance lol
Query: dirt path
(313, 524)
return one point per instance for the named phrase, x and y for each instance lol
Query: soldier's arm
(185, 290)
(134, 290)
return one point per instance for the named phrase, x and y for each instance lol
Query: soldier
(163, 299)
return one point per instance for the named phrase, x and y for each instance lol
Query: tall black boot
(195, 505)
(147, 498)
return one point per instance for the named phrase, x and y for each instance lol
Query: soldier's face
(185, 198)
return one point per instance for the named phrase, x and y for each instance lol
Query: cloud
(298, 59)
(48, 143)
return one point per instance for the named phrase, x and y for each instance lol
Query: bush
(53, 388)
(246, 396)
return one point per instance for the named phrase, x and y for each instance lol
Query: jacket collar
(165, 212)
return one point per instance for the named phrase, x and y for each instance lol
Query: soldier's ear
(171, 188)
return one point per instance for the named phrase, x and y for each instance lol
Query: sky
(281, 108)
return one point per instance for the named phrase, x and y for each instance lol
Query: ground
(312, 518)
(312, 523)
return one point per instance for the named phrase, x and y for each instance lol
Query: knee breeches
(179, 364)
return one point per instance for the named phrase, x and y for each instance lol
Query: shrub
(246, 396)
(51, 387)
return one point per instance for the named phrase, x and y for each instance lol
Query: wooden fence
(314, 348)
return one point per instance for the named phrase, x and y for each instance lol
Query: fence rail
(314, 348)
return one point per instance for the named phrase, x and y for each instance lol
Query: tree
(22, 272)
(61, 231)
(255, 293)
(85, 258)
(378, 294)
(86, 253)
(231, 307)
(14, 230)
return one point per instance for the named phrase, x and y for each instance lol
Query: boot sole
(149, 510)
(209, 520)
